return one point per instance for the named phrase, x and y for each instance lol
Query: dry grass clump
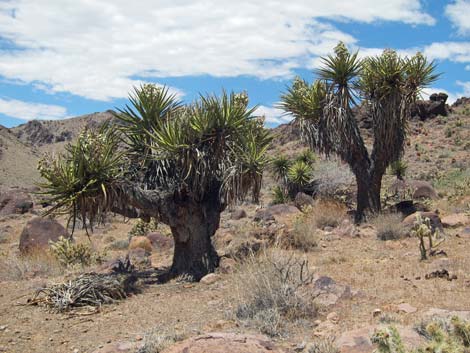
(89, 289)
(303, 235)
(323, 345)
(157, 340)
(272, 290)
(15, 267)
(389, 227)
(327, 213)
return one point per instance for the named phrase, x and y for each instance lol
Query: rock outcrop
(38, 232)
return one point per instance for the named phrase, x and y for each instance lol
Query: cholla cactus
(388, 340)
(422, 229)
(68, 253)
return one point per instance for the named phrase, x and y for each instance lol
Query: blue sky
(63, 58)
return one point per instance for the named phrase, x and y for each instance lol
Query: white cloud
(453, 51)
(458, 13)
(466, 88)
(99, 49)
(29, 111)
(273, 115)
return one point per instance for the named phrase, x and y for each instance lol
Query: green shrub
(143, 227)
(279, 196)
(69, 253)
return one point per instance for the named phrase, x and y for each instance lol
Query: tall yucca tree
(387, 84)
(180, 164)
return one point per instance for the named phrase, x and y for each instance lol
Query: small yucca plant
(307, 156)
(69, 253)
(398, 168)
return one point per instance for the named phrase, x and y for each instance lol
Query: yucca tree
(387, 84)
(182, 164)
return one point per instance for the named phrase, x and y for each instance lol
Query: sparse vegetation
(389, 227)
(304, 233)
(157, 340)
(422, 229)
(15, 267)
(143, 227)
(272, 291)
(398, 168)
(442, 337)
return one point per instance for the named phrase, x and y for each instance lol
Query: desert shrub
(387, 318)
(69, 253)
(303, 235)
(272, 290)
(121, 244)
(398, 168)
(143, 227)
(14, 267)
(156, 340)
(307, 156)
(327, 213)
(389, 227)
(333, 182)
(422, 229)
(443, 336)
(3, 238)
(279, 196)
(323, 345)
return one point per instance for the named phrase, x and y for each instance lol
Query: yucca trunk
(192, 227)
(369, 185)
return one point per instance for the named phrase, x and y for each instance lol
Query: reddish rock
(225, 343)
(328, 292)
(455, 220)
(238, 214)
(38, 232)
(406, 308)
(161, 241)
(268, 214)
(15, 202)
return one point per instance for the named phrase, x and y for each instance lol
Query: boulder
(455, 220)
(15, 202)
(161, 241)
(211, 278)
(303, 200)
(238, 214)
(140, 242)
(327, 292)
(420, 189)
(225, 343)
(358, 341)
(429, 109)
(436, 223)
(38, 232)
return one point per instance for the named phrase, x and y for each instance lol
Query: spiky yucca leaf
(280, 166)
(81, 182)
(300, 173)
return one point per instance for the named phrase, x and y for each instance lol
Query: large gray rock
(420, 189)
(428, 109)
(269, 213)
(328, 292)
(38, 232)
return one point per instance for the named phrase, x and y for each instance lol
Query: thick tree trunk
(193, 227)
(369, 184)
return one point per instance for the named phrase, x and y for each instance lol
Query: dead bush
(303, 235)
(272, 289)
(389, 227)
(156, 340)
(327, 213)
(40, 263)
